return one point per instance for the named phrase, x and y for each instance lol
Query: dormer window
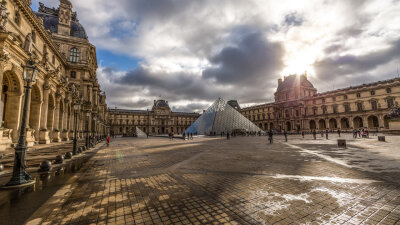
(74, 55)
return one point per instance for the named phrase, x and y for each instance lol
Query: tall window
(335, 109)
(347, 108)
(390, 103)
(74, 55)
(73, 74)
(324, 110)
(374, 105)
(372, 92)
(344, 96)
(359, 106)
(358, 95)
(388, 90)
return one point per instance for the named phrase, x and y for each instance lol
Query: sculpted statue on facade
(28, 43)
(3, 16)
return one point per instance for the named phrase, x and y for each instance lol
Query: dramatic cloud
(192, 52)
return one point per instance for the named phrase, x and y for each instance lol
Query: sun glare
(299, 59)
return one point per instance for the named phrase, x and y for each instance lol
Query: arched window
(74, 55)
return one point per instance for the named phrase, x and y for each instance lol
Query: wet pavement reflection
(17, 205)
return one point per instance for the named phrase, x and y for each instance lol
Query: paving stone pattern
(240, 181)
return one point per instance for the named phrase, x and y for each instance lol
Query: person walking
(108, 140)
(285, 134)
(270, 137)
(228, 136)
(326, 134)
(191, 136)
(338, 131)
(184, 136)
(302, 134)
(314, 133)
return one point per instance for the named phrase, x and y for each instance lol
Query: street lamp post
(20, 176)
(87, 128)
(77, 107)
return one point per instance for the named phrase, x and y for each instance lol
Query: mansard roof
(293, 81)
(50, 21)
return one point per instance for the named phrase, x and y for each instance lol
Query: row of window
(358, 95)
(347, 108)
(153, 123)
(345, 97)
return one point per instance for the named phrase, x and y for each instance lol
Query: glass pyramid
(221, 117)
(140, 133)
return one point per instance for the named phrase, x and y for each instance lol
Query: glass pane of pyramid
(140, 133)
(221, 117)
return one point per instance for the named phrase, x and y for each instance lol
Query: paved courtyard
(239, 181)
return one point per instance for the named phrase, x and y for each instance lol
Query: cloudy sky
(192, 52)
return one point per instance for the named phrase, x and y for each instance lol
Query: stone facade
(58, 44)
(160, 120)
(298, 106)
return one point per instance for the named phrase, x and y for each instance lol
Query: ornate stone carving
(3, 16)
(4, 57)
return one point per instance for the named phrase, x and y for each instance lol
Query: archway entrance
(332, 124)
(344, 122)
(271, 126)
(358, 123)
(10, 104)
(373, 122)
(35, 110)
(313, 125)
(322, 124)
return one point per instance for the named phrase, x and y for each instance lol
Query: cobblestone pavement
(240, 181)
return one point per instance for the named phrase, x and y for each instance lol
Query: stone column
(34, 122)
(351, 122)
(44, 133)
(56, 123)
(13, 110)
(3, 60)
(381, 121)
(365, 121)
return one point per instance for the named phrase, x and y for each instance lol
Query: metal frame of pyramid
(221, 117)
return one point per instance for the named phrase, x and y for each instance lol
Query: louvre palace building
(159, 120)
(298, 106)
(67, 65)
